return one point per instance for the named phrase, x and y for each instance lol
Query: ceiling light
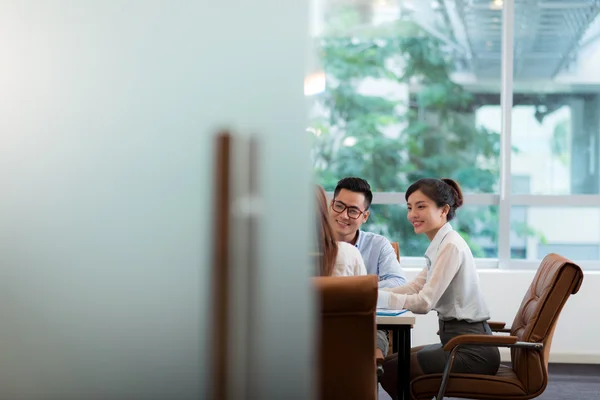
(496, 4)
(314, 83)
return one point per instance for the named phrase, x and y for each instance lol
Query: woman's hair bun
(457, 191)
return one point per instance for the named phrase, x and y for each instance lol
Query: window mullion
(506, 100)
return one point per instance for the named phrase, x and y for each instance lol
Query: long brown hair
(328, 247)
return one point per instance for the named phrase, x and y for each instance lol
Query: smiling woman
(449, 284)
(431, 203)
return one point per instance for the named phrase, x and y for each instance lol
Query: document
(383, 312)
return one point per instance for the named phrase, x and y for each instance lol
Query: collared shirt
(380, 259)
(449, 284)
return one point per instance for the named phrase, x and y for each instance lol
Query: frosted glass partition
(107, 111)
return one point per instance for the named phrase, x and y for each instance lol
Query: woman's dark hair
(327, 245)
(441, 191)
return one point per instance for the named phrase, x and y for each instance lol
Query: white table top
(407, 318)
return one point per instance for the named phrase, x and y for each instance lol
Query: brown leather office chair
(530, 338)
(346, 353)
(396, 247)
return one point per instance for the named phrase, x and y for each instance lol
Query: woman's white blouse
(348, 262)
(449, 284)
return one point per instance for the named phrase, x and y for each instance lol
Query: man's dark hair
(356, 185)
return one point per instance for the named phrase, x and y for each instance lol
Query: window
(412, 89)
(400, 100)
(482, 237)
(570, 231)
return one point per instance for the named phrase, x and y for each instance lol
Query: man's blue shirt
(380, 259)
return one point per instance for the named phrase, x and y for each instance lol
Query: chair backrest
(556, 279)
(396, 247)
(346, 352)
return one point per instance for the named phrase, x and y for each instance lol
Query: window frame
(504, 200)
(491, 199)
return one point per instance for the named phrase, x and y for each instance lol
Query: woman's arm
(411, 287)
(421, 302)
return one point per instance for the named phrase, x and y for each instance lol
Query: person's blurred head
(350, 207)
(327, 244)
(431, 203)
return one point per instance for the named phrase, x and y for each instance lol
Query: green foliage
(431, 133)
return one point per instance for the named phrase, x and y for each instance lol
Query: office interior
(108, 117)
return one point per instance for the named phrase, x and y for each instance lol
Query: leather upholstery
(556, 279)
(347, 368)
(468, 338)
(495, 326)
(504, 385)
(396, 247)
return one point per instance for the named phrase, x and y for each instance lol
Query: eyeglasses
(340, 207)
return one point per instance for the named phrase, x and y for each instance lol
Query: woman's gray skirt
(469, 359)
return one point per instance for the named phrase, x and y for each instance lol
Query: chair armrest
(485, 340)
(490, 340)
(496, 326)
(379, 362)
(479, 340)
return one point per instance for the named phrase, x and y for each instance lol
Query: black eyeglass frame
(351, 208)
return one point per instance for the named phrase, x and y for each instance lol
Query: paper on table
(385, 312)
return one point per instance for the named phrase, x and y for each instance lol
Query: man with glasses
(349, 210)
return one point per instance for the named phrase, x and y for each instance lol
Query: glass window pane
(573, 232)
(556, 118)
(477, 224)
(404, 85)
